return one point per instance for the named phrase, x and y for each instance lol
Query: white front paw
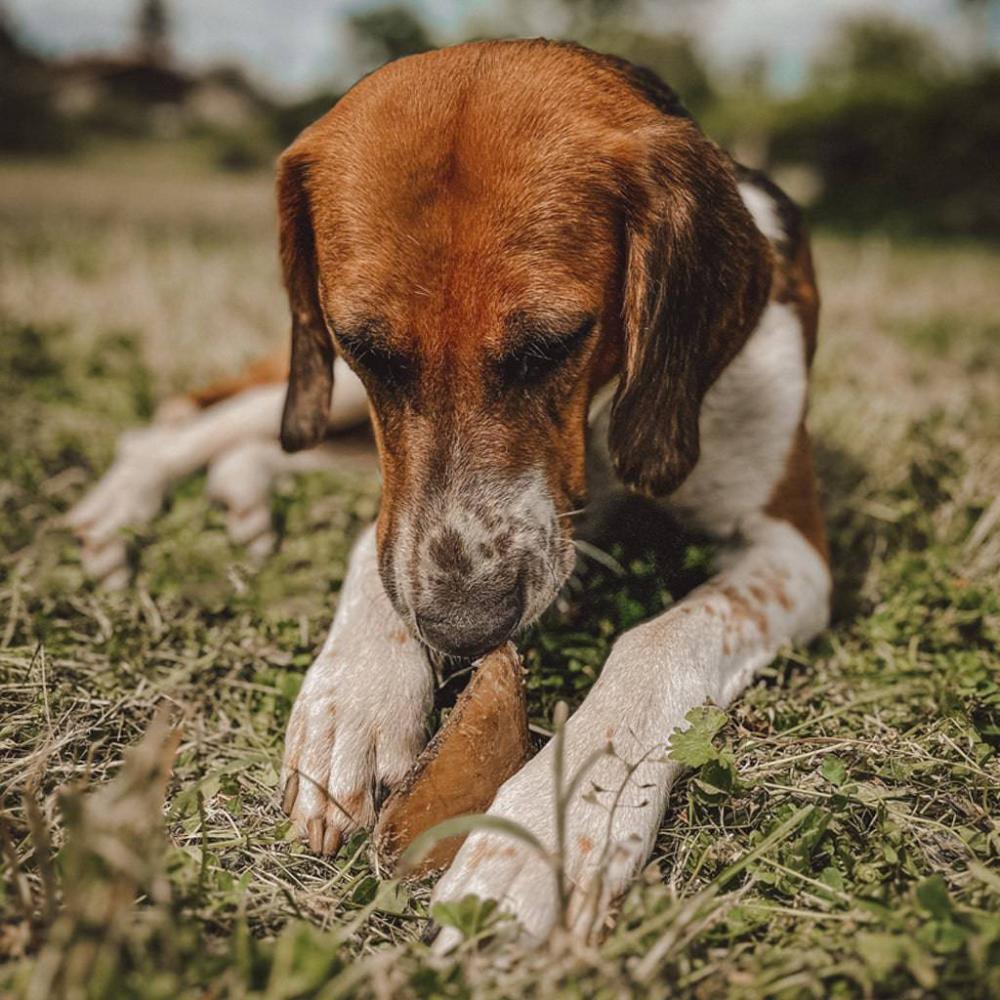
(356, 727)
(609, 825)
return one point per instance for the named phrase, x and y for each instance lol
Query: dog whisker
(599, 555)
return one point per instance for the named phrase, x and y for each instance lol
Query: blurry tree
(674, 57)
(753, 73)
(593, 12)
(897, 137)
(740, 114)
(590, 16)
(288, 120)
(382, 34)
(388, 33)
(153, 31)
(673, 54)
(878, 51)
(29, 119)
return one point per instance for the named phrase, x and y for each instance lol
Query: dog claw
(290, 793)
(332, 840)
(101, 562)
(314, 833)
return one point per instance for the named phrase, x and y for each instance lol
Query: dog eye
(528, 367)
(381, 363)
(539, 358)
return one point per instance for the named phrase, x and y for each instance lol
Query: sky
(292, 46)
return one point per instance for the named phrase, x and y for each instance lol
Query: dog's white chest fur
(747, 425)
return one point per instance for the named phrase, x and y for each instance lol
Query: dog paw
(241, 479)
(129, 495)
(609, 826)
(357, 726)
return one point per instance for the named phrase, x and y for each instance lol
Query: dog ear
(310, 378)
(697, 277)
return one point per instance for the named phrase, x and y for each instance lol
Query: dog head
(488, 234)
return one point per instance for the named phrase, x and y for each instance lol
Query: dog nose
(471, 629)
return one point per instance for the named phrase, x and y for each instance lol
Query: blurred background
(874, 114)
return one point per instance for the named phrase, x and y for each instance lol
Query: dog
(539, 280)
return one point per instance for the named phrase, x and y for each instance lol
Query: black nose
(471, 628)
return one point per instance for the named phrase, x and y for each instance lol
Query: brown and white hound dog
(532, 271)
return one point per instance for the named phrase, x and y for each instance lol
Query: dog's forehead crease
(484, 176)
(521, 254)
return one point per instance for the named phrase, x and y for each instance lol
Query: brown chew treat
(484, 741)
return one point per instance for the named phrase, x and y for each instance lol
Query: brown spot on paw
(743, 610)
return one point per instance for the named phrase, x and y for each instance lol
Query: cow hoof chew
(484, 741)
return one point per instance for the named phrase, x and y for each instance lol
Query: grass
(840, 836)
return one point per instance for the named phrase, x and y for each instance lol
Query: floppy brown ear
(310, 378)
(697, 279)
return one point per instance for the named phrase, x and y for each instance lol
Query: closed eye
(541, 355)
(383, 364)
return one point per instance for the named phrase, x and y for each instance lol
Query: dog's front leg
(773, 590)
(359, 720)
